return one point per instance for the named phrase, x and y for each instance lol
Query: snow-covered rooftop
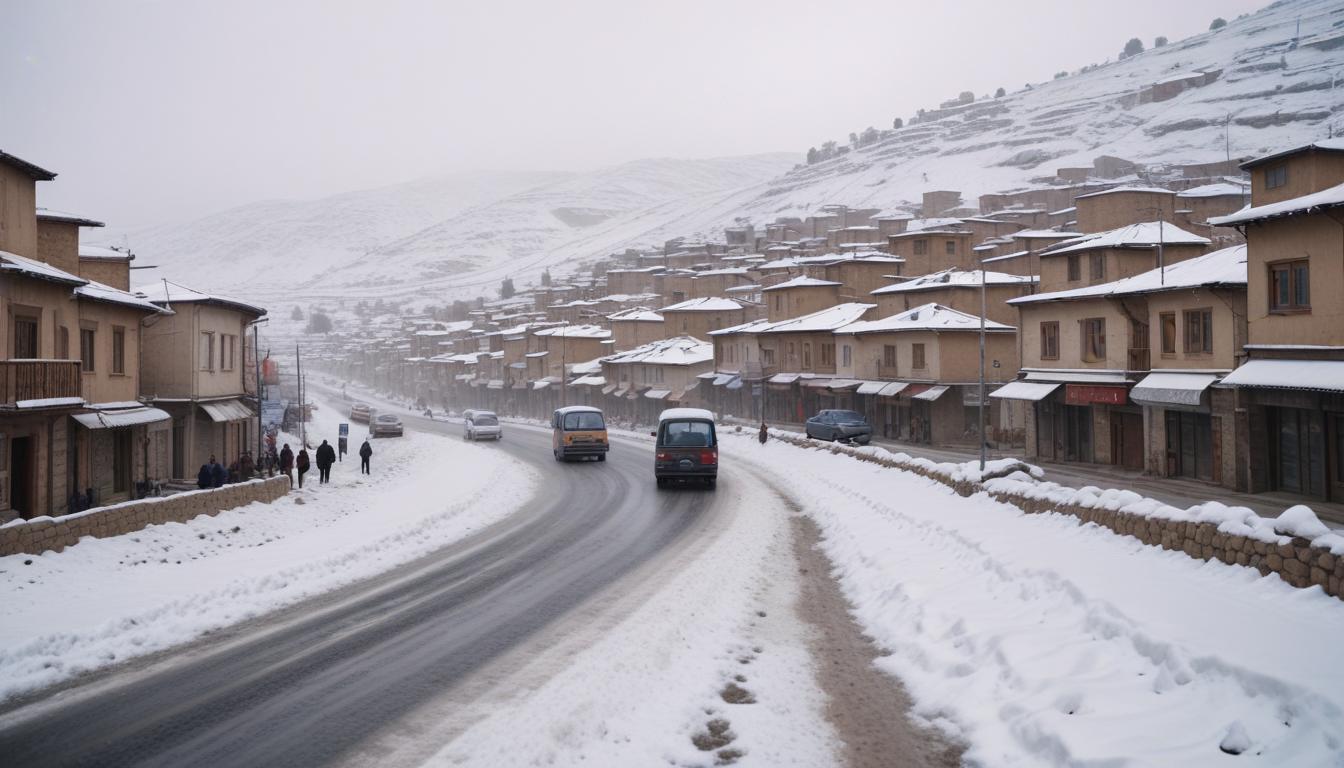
(166, 292)
(103, 252)
(1038, 234)
(1326, 198)
(1005, 257)
(1335, 144)
(827, 319)
(1220, 189)
(1124, 189)
(576, 332)
(22, 265)
(1223, 267)
(679, 350)
(916, 225)
(927, 317)
(706, 304)
(802, 281)
(48, 214)
(1143, 235)
(639, 314)
(955, 278)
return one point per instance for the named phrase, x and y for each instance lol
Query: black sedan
(849, 426)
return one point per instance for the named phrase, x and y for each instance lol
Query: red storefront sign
(1093, 394)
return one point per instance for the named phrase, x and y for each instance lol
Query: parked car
(361, 413)
(687, 447)
(385, 425)
(849, 426)
(579, 430)
(482, 425)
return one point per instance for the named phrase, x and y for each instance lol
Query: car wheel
(662, 482)
(601, 457)
(711, 481)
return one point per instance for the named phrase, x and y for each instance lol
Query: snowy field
(1040, 641)
(107, 600)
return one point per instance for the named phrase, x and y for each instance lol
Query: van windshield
(584, 420)
(485, 420)
(687, 434)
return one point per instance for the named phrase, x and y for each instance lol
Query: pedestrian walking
(217, 473)
(245, 466)
(765, 433)
(287, 464)
(365, 451)
(204, 479)
(326, 456)
(301, 464)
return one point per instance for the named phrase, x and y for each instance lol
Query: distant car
(848, 426)
(385, 425)
(361, 413)
(482, 425)
(687, 447)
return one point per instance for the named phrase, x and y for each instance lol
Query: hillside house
(1292, 385)
(662, 374)
(958, 290)
(635, 327)
(932, 250)
(700, 317)
(1121, 206)
(1104, 257)
(799, 296)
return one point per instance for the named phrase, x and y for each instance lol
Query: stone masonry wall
(56, 533)
(1293, 559)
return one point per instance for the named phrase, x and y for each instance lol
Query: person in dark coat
(287, 464)
(301, 463)
(204, 478)
(365, 451)
(765, 433)
(326, 456)
(245, 466)
(217, 473)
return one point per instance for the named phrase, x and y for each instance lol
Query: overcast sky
(153, 111)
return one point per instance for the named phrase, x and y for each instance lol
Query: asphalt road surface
(308, 687)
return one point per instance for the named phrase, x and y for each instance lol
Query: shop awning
(495, 384)
(1079, 377)
(736, 383)
(464, 376)
(622, 389)
(1319, 375)
(708, 375)
(590, 381)
(818, 383)
(783, 378)
(227, 410)
(871, 387)
(658, 394)
(892, 389)
(542, 384)
(932, 393)
(1172, 388)
(721, 379)
(1025, 390)
(838, 385)
(520, 384)
(607, 390)
(129, 417)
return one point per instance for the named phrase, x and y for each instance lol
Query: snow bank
(1043, 642)
(108, 600)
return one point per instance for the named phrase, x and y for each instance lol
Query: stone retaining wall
(56, 533)
(1292, 559)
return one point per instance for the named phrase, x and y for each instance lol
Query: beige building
(700, 317)
(1173, 332)
(1195, 206)
(799, 296)
(195, 368)
(642, 381)
(1292, 387)
(72, 434)
(566, 345)
(1121, 206)
(1108, 256)
(635, 327)
(933, 250)
(931, 356)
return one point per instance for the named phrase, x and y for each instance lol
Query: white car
(385, 425)
(482, 425)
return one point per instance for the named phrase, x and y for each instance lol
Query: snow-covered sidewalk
(1041, 641)
(107, 600)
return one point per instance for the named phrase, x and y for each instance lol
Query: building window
(1276, 177)
(1094, 339)
(1199, 331)
(889, 355)
(207, 351)
(951, 246)
(63, 343)
(921, 247)
(228, 346)
(1168, 322)
(779, 302)
(917, 356)
(1075, 268)
(767, 357)
(25, 338)
(828, 354)
(1050, 340)
(1097, 266)
(845, 359)
(807, 356)
(1289, 286)
(87, 338)
(118, 350)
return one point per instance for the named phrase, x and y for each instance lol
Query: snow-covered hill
(1169, 105)
(235, 248)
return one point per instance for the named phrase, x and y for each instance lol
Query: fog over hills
(1240, 91)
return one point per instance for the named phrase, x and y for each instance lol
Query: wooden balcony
(1139, 360)
(38, 380)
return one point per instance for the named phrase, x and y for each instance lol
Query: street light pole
(982, 368)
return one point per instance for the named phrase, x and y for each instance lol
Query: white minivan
(481, 425)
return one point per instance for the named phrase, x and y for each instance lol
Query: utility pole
(982, 368)
(256, 359)
(298, 377)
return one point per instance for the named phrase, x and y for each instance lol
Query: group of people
(212, 474)
(324, 457)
